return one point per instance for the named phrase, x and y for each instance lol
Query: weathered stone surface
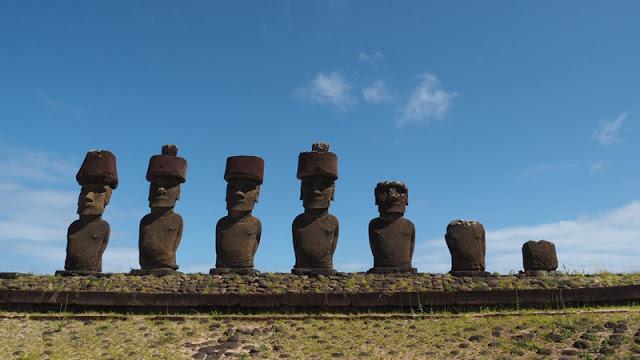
(87, 239)
(98, 167)
(237, 241)
(88, 236)
(466, 243)
(539, 256)
(391, 236)
(238, 234)
(161, 230)
(154, 272)
(315, 232)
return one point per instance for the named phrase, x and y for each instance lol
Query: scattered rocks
(581, 344)
(555, 337)
(281, 283)
(544, 351)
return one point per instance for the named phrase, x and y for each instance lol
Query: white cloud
(58, 105)
(609, 241)
(371, 57)
(35, 212)
(119, 259)
(353, 266)
(427, 101)
(597, 166)
(607, 133)
(19, 164)
(330, 89)
(377, 93)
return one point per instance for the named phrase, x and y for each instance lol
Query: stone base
(392, 270)
(81, 273)
(239, 271)
(153, 272)
(10, 275)
(470, 273)
(314, 271)
(537, 273)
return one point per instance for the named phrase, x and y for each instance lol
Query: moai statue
(539, 257)
(238, 233)
(161, 229)
(392, 237)
(315, 231)
(88, 236)
(466, 243)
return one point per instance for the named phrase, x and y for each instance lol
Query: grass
(287, 283)
(485, 335)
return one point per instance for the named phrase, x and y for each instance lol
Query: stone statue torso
(315, 240)
(86, 242)
(159, 239)
(237, 241)
(392, 242)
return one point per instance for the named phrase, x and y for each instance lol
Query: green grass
(484, 335)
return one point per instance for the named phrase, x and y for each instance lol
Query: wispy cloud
(377, 93)
(372, 57)
(545, 168)
(59, 105)
(39, 199)
(119, 259)
(596, 166)
(35, 210)
(607, 133)
(427, 101)
(608, 241)
(33, 165)
(329, 89)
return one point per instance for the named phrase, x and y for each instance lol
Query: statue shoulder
(332, 220)
(298, 219)
(176, 217)
(408, 223)
(376, 223)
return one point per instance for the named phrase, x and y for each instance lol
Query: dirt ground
(610, 333)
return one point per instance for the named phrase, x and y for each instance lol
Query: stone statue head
(316, 191)
(318, 171)
(164, 191)
(165, 173)
(244, 175)
(391, 197)
(93, 199)
(98, 177)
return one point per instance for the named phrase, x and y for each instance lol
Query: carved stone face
(242, 194)
(316, 192)
(392, 198)
(93, 199)
(164, 191)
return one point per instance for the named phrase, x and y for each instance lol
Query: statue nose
(240, 195)
(317, 193)
(162, 191)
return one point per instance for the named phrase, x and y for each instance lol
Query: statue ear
(301, 186)
(178, 194)
(257, 192)
(333, 190)
(107, 196)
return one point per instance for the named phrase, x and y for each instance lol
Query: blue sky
(522, 115)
